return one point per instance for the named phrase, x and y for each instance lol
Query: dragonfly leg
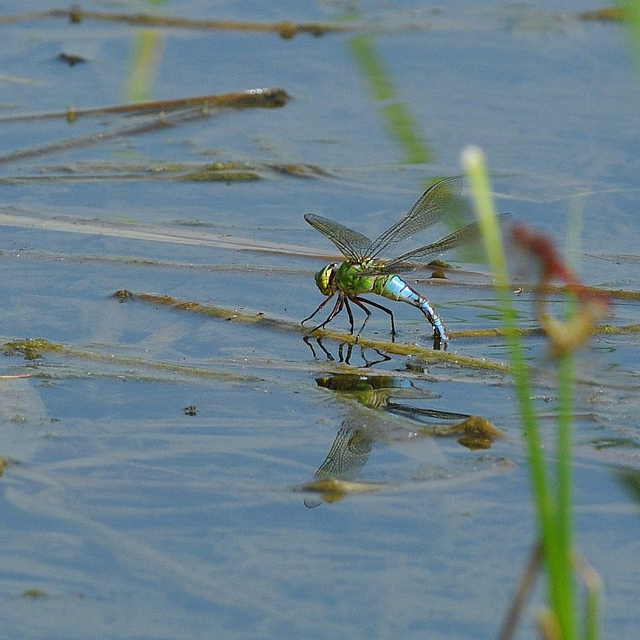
(349, 313)
(320, 306)
(337, 308)
(361, 302)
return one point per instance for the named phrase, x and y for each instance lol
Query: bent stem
(553, 511)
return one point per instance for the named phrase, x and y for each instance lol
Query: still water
(159, 454)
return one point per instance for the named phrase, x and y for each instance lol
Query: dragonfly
(364, 272)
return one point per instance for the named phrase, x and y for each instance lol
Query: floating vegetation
(123, 295)
(286, 29)
(227, 171)
(36, 349)
(607, 14)
(215, 174)
(238, 315)
(333, 490)
(76, 15)
(31, 348)
(5, 463)
(34, 594)
(475, 432)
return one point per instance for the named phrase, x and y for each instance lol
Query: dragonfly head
(326, 279)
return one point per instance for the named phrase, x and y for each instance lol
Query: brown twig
(83, 141)
(525, 586)
(191, 109)
(250, 98)
(76, 14)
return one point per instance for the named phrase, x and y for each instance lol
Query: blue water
(134, 519)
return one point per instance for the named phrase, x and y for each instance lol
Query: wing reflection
(348, 454)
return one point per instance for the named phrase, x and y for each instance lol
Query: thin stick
(84, 141)
(250, 98)
(76, 15)
(525, 587)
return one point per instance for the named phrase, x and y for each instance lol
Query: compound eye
(325, 279)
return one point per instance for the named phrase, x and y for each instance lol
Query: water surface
(160, 453)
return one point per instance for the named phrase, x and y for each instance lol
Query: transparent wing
(352, 244)
(408, 261)
(435, 203)
(423, 255)
(349, 453)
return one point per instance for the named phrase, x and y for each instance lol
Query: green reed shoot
(631, 12)
(553, 504)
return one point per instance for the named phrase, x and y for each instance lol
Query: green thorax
(351, 281)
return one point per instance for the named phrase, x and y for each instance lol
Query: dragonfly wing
(352, 244)
(423, 255)
(435, 203)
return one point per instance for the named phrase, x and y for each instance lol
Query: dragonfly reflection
(353, 443)
(345, 352)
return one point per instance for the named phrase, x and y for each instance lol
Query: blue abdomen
(395, 288)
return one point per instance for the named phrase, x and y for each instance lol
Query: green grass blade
(554, 531)
(403, 128)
